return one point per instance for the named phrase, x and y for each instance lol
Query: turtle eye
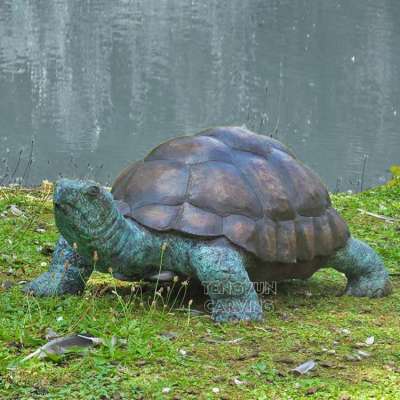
(93, 191)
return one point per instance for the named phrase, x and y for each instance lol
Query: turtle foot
(366, 274)
(369, 286)
(54, 284)
(236, 309)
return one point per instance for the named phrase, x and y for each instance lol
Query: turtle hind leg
(222, 272)
(67, 274)
(364, 269)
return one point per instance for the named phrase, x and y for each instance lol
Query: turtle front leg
(67, 274)
(223, 275)
(364, 269)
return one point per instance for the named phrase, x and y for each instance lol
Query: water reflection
(101, 82)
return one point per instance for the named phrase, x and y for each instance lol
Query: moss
(306, 320)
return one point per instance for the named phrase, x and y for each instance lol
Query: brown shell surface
(234, 183)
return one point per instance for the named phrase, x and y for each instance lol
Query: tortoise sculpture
(226, 206)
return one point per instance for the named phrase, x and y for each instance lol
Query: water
(97, 83)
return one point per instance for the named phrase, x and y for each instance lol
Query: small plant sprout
(163, 248)
(189, 305)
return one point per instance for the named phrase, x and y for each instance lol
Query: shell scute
(196, 221)
(305, 237)
(244, 140)
(241, 230)
(191, 150)
(161, 182)
(158, 216)
(220, 188)
(267, 240)
(269, 186)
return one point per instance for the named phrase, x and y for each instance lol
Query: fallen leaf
(311, 390)
(6, 285)
(237, 381)
(16, 211)
(352, 357)
(164, 276)
(284, 360)
(360, 344)
(220, 341)
(234, 341)
(113, 341)
(51, 334)
(363, 354)
(60, 345)
(192, 311)
(304, 368)
(369, 341)
(243, 357)
(168, 335)
(326, 364)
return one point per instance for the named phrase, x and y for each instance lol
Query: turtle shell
(234, 183)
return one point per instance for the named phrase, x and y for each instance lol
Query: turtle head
(83, 212)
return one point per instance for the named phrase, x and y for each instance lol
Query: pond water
(95, 84)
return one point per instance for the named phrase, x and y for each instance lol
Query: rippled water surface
(96, 84)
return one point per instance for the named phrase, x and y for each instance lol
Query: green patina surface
(304, 321)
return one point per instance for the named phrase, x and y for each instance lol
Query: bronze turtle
(234, 208)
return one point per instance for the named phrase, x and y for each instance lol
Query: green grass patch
(161, 352)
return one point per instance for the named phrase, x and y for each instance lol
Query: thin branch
(382, 217)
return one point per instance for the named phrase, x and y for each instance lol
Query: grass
(155, 352)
